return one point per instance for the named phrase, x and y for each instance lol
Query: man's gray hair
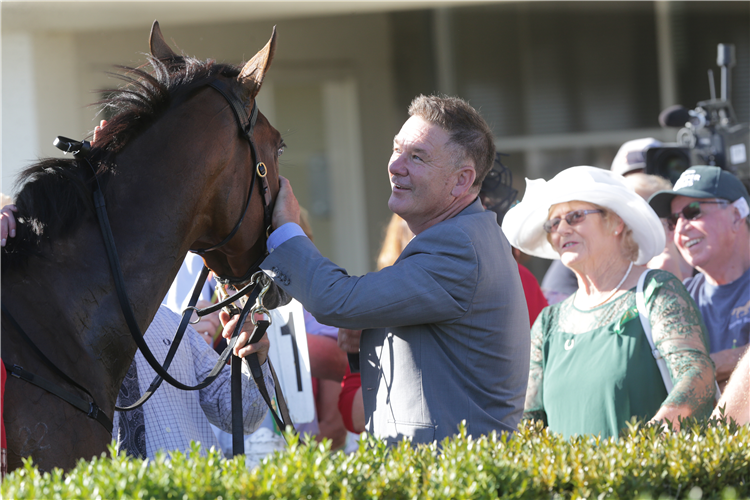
(469, 133)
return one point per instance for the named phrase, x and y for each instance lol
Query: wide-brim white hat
(523, 223)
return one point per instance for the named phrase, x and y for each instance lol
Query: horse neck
(67, 296)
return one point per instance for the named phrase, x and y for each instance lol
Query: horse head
(176, 173)
(251, 184)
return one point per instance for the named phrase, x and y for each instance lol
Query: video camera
(710, 134)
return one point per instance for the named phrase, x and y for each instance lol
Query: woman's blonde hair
(397, 236)
(628, 245)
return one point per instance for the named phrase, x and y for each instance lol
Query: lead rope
(259, 329)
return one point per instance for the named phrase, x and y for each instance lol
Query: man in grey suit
(446, 329)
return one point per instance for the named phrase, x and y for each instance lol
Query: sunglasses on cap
(572, 218)
(691, 211)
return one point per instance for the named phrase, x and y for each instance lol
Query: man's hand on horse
(286, 208)
(7, 223)
(242, 348)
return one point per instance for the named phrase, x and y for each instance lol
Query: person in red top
(535, 300)
(497, 195)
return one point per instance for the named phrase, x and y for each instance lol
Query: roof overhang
(31, 15)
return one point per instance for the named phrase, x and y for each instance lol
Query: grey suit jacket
(446, 327)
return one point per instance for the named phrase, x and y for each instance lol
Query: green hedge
(705, 460)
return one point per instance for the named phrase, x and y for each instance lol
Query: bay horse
(176, 172)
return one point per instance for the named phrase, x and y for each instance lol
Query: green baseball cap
(701, 181)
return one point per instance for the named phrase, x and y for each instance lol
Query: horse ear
(255, 70)
(157, 44)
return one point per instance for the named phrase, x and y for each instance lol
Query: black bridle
(80, 150)
(246, 124)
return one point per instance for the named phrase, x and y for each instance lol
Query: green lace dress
(592, 371)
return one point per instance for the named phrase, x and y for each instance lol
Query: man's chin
(692, 259)
(393, 205)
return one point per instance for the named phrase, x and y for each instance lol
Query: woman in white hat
(592, 368)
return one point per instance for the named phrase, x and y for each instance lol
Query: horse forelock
(147, 95)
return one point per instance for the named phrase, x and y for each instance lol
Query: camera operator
(708, 208)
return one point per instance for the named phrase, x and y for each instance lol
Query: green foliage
(705, 460)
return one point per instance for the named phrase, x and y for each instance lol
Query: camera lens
(667, 162)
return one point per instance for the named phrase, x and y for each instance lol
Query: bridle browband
(246, 125)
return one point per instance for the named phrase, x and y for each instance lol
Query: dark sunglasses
(692, 211)
(572, 218)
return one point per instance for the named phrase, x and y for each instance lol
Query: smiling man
(708, 208)
(446, 330)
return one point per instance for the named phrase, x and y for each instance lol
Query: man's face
(421, 171)
(703, 242)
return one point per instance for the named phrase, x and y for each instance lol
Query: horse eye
(281, 151)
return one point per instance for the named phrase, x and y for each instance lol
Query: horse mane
(145, 96)
(55, 196)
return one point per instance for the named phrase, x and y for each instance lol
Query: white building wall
(40, 98)
(18, 146)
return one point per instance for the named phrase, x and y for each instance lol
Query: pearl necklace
(627, 273)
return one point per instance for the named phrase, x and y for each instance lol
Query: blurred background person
(397, 236)
(670, 259)
(592, 368)
(631, 157)
(735, 400)
(708, 210)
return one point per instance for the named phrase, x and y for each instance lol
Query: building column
(665, 54)
(19, 116)
(344, 154)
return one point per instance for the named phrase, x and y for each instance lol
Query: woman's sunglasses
(691, 211)
(572, 218)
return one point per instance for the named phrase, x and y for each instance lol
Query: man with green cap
(708, 209)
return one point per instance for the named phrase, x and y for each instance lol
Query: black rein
(247, 125)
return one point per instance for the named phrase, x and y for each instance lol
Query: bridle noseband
(246, 125)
